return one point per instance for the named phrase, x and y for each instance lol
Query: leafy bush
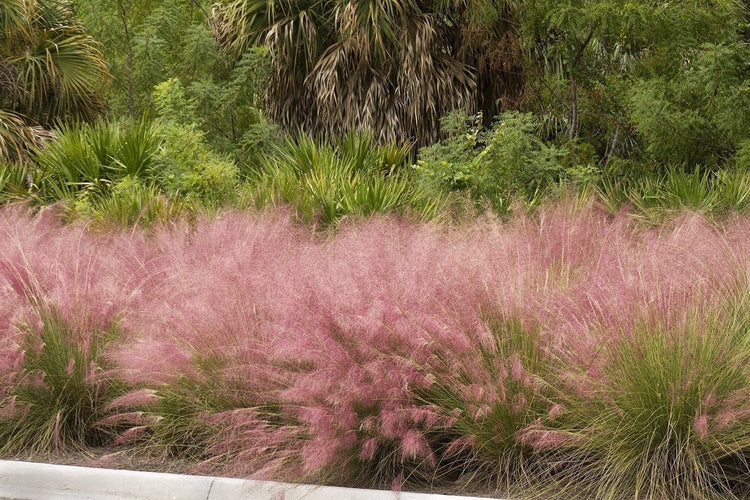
(700, 116)
(228, 113)
(495, 165)
(186, 166)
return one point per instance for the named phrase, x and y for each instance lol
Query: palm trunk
(573, 129)
(611, 149)
(124, 18)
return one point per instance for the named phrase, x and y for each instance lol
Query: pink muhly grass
(131, 435)
(368, 448)
(555, 411)
(134, 418)
(12, 409)
(108, 461)
(539, 437)
(700, 425)
(56, 434)
(387, 343)
(414, 445)
(140, 398)
(461, 445)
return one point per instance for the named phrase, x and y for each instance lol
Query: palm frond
(17, 136)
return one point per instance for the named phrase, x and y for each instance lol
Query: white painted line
(35, 481)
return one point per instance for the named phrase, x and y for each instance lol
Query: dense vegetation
(501, 103)
(567, 354)
(486, 243)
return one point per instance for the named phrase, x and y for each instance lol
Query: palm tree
(49, 70)
(391, 66)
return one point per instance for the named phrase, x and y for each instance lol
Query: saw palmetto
(49, 69)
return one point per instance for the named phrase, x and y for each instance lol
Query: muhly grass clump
(62, 306)
(565, 353)
(672, 413)
(57, 399)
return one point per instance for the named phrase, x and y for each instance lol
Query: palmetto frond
(58, 75)
(49, 69)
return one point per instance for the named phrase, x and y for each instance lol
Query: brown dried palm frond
(17, 137)
(391, 66)
(490, 43)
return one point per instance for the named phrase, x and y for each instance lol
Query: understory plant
(86, 158)
(14, 181)
(328, 181)
(497, 165)
(658, 198)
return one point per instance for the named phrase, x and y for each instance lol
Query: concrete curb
(36, 481)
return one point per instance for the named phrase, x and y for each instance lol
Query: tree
(585, 55)
(146, 43)
(394, 67)
(50, 69)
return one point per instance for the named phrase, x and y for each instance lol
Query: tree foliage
(598, 68)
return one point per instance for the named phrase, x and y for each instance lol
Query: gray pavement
(35, 481)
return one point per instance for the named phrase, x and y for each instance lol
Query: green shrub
(172, 103)
(256, 142)
(185, 166)
(516, 157)
(656, 197)
(229, 113)
(447, 165)
(742, 158)
(495, 165)
(86, 162)
(700, 116)
(326, 181)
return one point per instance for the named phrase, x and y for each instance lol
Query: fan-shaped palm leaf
(49, 69)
